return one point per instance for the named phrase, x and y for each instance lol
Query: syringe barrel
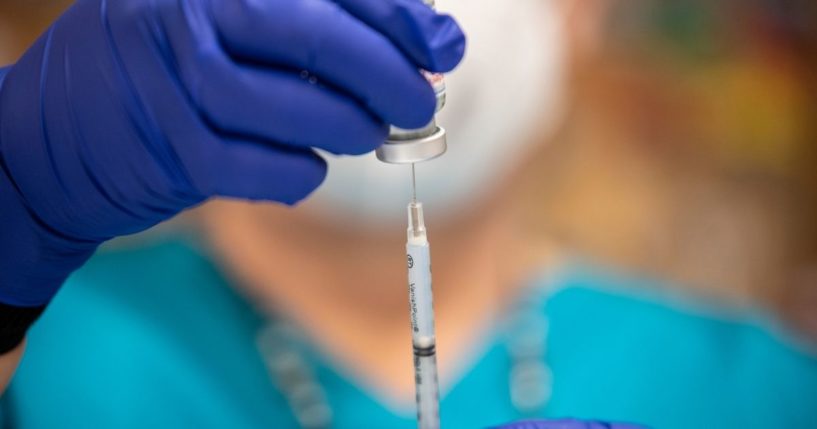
(421, 309)
(428, 394)
(421, 306)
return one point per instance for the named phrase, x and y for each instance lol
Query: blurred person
(293, 317)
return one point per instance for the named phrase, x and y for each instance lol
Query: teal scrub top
(154, 337)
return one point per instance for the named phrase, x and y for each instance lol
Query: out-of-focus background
(688, 153)
(690, 149)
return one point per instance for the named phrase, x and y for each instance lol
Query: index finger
(434, 41)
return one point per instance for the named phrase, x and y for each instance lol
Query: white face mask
(510, 83)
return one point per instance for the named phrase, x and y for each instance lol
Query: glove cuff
(14, 322)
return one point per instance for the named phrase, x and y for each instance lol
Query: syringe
(405, 146)
(422, 316)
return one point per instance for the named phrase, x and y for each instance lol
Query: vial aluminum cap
(401, 150)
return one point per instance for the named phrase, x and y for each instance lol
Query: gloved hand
(126, 112)
(567, 424)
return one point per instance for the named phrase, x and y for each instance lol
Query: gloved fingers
(320, 37)
(266, 103)
(433, 41)
(256, 170)
(286, 108)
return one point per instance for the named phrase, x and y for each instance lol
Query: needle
(413, 184)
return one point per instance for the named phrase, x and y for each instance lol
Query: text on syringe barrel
(420, 300)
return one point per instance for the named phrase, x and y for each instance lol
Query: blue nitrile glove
(567, 424)
(126, 112)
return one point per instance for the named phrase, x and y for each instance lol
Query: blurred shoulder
(655, 308)
(150, 331)
(734, 366)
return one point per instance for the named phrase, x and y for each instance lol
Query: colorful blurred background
(690, 149)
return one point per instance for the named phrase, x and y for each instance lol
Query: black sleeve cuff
(14, 322)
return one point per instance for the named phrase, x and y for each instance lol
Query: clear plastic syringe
(422, 316)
